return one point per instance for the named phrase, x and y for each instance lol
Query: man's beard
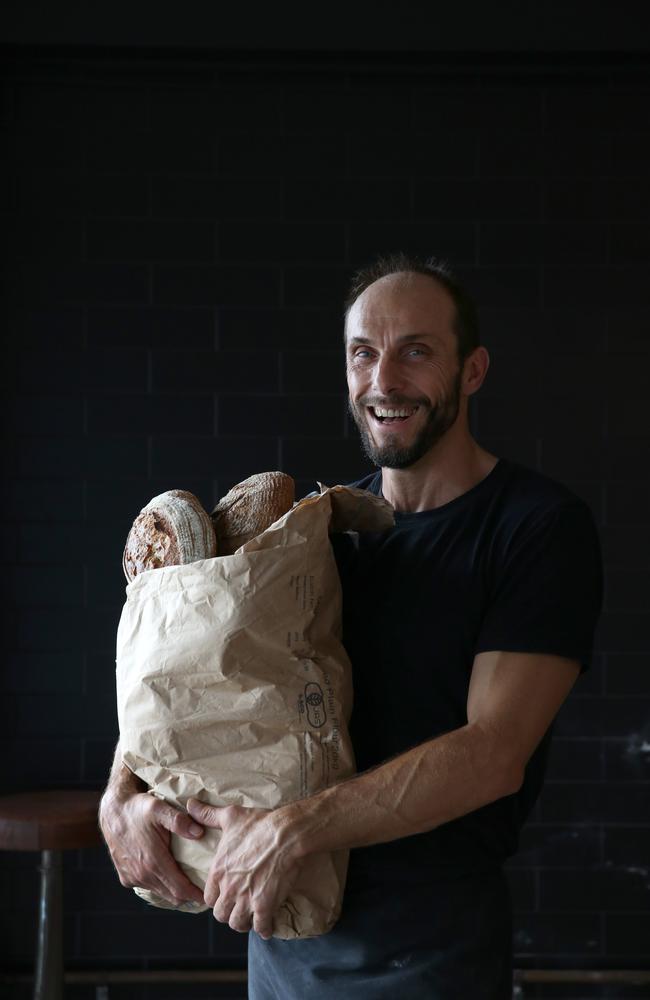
(391, 454)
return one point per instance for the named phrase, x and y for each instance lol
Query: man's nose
(386, 376)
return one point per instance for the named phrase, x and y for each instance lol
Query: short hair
(466, 317)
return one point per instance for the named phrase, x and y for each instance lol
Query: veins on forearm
(424, 787)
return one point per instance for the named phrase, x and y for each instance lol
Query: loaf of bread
(172, 530)
(250, 508)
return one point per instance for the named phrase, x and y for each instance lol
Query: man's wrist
(123, 784)
(300, 824)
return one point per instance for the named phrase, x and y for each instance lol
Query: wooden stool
(49, 822)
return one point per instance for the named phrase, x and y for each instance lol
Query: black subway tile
(74, 283)
(575, 759)
(161, 327)
(130, 152)
(598, 717)
(33, 763)
(598, 802)
(230, 458)
(172, 414)
(283, 329)
(629, 759)
(49, 586)
(43, 239)
(478, 199)
(34, 414)
(155, 933)
(600, 888)
(33, 328)
(150, 239)
(313, 371)
(627, 935)
(627, 674)
(328, 460)
(293, 242)
(42, 543)
(455, 242)
(201, 196)
(551, 934)
(218, 371)
(280, 155)
(56, 500)
(335, 197)
(206, 284)
(538, 243)
(41, 672)
(551, 845)
(287, 415)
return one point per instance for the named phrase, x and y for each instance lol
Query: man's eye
(416, 350)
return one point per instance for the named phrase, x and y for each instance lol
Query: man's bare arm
(513, 698)
(137, 829)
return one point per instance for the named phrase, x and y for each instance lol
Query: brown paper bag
(233, 685)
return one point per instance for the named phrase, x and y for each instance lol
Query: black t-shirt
(512, 564)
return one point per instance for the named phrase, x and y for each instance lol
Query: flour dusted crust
(250, 508)
(173, 529)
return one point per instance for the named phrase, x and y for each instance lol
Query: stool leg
(48, 983)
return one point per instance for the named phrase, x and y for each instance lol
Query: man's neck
(442, 475)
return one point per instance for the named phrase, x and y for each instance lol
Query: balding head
(407, 272)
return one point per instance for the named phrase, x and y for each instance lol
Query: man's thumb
(203, 813)
(177, 822)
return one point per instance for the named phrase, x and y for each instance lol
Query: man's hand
(137, 828)
(255, 865)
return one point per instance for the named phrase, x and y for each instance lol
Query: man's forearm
(431, 784)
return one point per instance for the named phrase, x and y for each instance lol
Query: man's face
(403, 373)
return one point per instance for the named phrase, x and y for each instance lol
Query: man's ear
(475, 369)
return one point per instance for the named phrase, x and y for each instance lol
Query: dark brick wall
(178, 238)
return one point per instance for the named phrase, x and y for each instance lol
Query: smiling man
(410, 376)
(466, 625)
(396, 429)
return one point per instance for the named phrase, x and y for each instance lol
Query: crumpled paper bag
(233, 686)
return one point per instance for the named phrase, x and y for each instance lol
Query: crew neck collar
(495, 474)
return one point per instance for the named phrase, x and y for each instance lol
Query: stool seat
(49, 820)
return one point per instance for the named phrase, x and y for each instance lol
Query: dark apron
(426, 936)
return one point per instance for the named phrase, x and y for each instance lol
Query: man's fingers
(263, 924)
(240, 917)
(211, 890)
(175, 821)
(204, 813)
(175, 886)
(223, 908)
(159, 872)
(185, 891)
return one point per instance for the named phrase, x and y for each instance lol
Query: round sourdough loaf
(250, 508)
(172, 530)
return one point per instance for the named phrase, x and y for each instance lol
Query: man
(467, 626)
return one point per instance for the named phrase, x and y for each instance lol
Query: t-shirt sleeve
(546, 588)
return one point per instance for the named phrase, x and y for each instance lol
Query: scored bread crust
(250, 507)
(172, 530)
